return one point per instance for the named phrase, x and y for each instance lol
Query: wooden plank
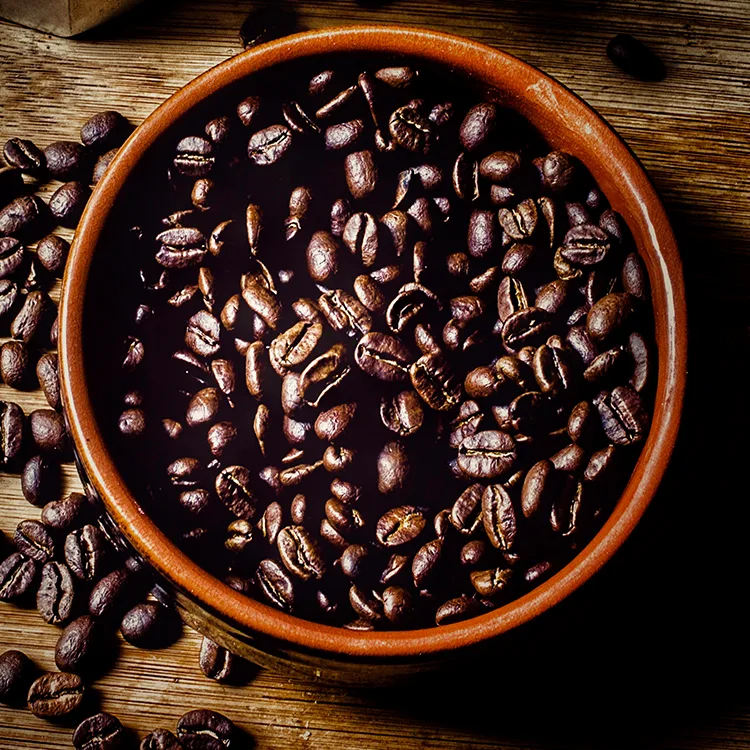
(691, 133)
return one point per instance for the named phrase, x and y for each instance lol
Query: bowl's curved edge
(652, 224)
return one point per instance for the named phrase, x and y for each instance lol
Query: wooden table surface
(652, 653)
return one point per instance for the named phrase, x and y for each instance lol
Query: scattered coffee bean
(17, 573)
(48, 431)
(66, 160)
(24, 155)
(56, 593)
(21, 215)
(215, 661)
(149, 625)
(16, 672)
(68, 201)
(77, 646)
(40, 480)
(14, 363)
(195, 728)
(85, 552)
(55, 694)
(99, 732)
(104, 131)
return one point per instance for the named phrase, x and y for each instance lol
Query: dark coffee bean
(181, 247)
(24, 155)
(261, 300)
(607, 316)
(8, 296)
(366, 607)
(473, 552)
(203, 407)
(465, 177)
(402, 414)
(411, 302)
(500, 166)
(332, 423)
(215, 661)
(568, 508)
(233, 487)
(68, 201)
(456, 610)
(554, 296)
(355, 561)
(435, 383)
(77, 647)
(499, 517)
(323, 374)
(275, 584)
(149, 625)
(48, 431)
(585, 245)
(642, 364)
(85, 552)
(102, 164)
(33, 319)
(219, 130)
(635, 58)
(301, 553)
(466, 423)
(56, 593)
(623, 416)
(393, 467)
(99, 732)
(49, 381)
(599, 464)
(397, 605)
(527, 327)
(559, 171)
(196, 729)
(336, 103)
(400, 525)
(14, 363)
(194, 157)
(582, 343)
(361, 173)
(263, 24)
(267, 146)
(202, 334)
(466, 513)
(382, 356)
(343, 135)
(581, 426)
(605, 367)
(322, 256)
(66, 160)
(519, 223)
(21, 215)
(160, 739)
(55, 694)
(360, 234)
(12, 256)
(553, 369)
(17, 573)
(487, 454)
(132, 422)
(396, 567)
(411, 130)
(105, 130)
(478, 125)
(369, 293)
(111, 595)
(489, 583)
(345, 313)
(40, 480)
(517, 258)
(482, 233)
(511, 298)
(634, 278)
(34, 541)
(16, 671)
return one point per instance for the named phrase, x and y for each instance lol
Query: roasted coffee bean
(580, 340)
(400, 525)
(48, 431)
(275, 584)
(49, 381)
(369, 293)
(105, 130)
(345, 313)
(478, 125)
(526, 327)
(68, 201)
(323, 374)
(322, 256)
(111, 595)
(181, 247)
(487, 454)
(456, 610)
(553, 369)
(517, 258)
(599, 464)
(466, 423)
(215, 661)
(435, 383)
(634, 278)
(194, 157)
(642, 364)
(16, 672)
(102, 165)
(8, 296)
(85, 552)
(466, 513)
(559, 171)
(606, 366)
(21, 215)
(336, 103)
(267, 146)
(465, 177)
(383, 356)
(500, 166)
(332, 423)
(412, 301)
(482, 233)
(99, 732)
(203, 407)
(499, 517)
(40, 480)
(393, 467)
(519, 223)
(12, 256)
(33, 318)
(77, 646)
(367, 607)
(24, 155)
(205, 730)
(66, 160)
(570, 459)
(55, 694)
(585, 245)
(149, 625)
(361, 173)
(426, 563)
(397, 605)
(633, 57)
(14, 363)
(402, 414)
(581, 423)
(411, 130)
(489, 583)
(17, 573)
(511, 298)
(623, 416)
(233, 486)
(473, 552)
(261, 300)
(202, 334)
(360, 234)
(56, 593)
(34, 541)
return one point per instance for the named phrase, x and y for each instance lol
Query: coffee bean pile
(387, 360)
(65, 562)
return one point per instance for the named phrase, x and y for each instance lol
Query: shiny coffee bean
(99, 732)
(17, 574)
(78, 646)
(55, 694)
(56, 593)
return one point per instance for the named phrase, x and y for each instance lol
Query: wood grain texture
(652, 652)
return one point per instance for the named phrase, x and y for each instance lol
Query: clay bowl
(271, 637)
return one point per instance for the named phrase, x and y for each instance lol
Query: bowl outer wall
(566, 122)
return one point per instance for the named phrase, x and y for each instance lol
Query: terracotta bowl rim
(254, 617)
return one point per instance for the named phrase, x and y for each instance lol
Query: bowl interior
(566, 123)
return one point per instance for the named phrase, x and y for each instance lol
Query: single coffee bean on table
(99, 732)
(16, 673)
(386, 385)
(55, 694)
